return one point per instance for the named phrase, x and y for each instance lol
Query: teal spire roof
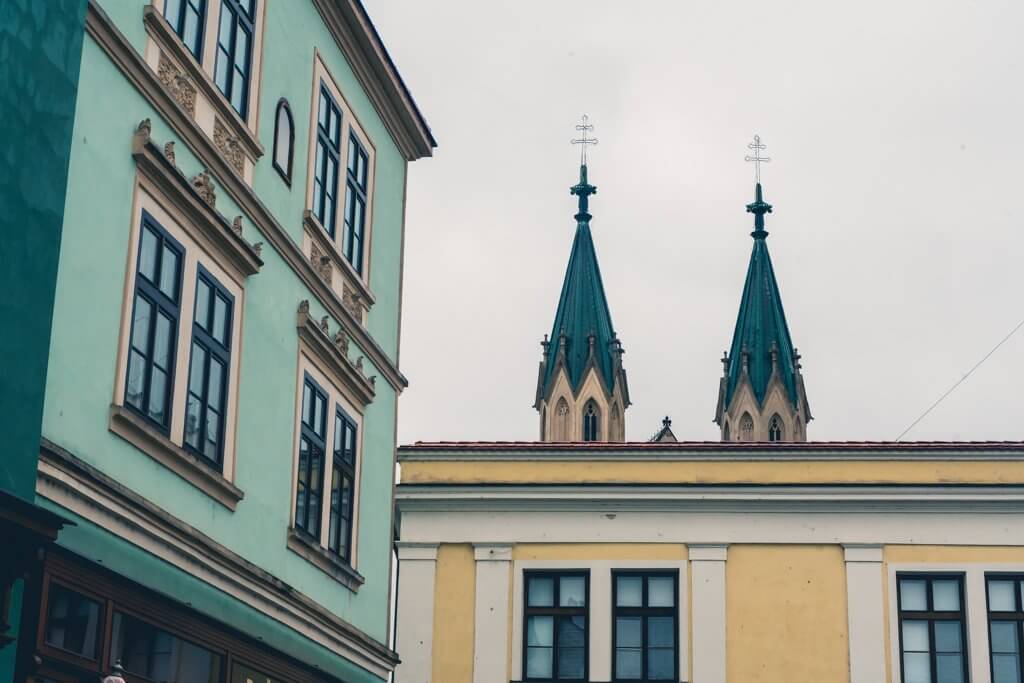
(761, 340)
(583, 323)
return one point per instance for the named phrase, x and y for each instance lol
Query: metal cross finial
(584, 141)
(757, 146)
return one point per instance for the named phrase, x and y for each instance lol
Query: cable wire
(961, 380)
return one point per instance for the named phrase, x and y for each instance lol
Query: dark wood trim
(84, 481)
(137, 431)
(101, 29)
(324, 560)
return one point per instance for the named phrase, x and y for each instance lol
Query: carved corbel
(203, 185)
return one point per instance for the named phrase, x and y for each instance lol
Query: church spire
(581, 385)
(761, 394)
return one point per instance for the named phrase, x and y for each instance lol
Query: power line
(961, 380)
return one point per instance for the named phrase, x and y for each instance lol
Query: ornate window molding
(125, 58)
(331, 355)
(191, 85)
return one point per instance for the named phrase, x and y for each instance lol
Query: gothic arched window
(591, 422)
(746, 427)
(775, 428)
(725, 432)
(284, 140)
(560, 431)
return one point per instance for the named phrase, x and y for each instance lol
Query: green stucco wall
(40, 52)
(87, 322)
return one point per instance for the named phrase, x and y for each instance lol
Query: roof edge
(359, 41)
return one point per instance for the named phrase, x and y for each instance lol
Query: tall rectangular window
(932, 639)
(646, 627)
(1006, 627)
(343, 475)
(355, 203)
(555, 626)
(155, 311)
(234, 51)
(73, 622)
(186, 17)
(312, 446)
(328, 154)
(208, 374)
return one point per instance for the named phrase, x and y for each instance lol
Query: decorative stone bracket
(332, 352)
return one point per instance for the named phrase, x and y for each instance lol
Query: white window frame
(349, 125)
(599, 602)
(335, 398)
(148, 198)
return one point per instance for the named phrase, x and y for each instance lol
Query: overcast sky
(896, 131)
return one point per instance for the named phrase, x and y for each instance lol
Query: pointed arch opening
(798, 429)
(591, 422)
(543, 423)
(560, 430)
(776, 428)
(725, 432)
(746, 427)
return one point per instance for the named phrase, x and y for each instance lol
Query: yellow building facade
(711, 562)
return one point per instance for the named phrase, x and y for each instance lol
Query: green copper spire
(761, 343)
(582, 332)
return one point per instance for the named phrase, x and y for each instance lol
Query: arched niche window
(561, 426)
(591, 422)
(775, 428)
(746, 427)
(615, 431)
(797, 429)
(284, 140)
(725, 432)
(543, 422)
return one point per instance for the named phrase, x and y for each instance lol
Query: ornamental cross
(757, 146)
(585, 127)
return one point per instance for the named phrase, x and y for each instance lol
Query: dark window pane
(1004, 637)
(572, 591)
(947, 636)
(917, 667)
(571, 632)
(169, 274)
(147, 254)
(661, 664)
(949, 669)
(192, 421)
(220, 319)
(538, 662)
(162, 341)
(540, 631)
(202, 315)
(629, 663)
(913, 595)
(1005, 669)
(628, 631)
(946, 595)
(157, 395)
(661, 591)
(661, 631)
(136, 376)
(570, 663)
(141, 319)
(1002, 596)
(915, 636)
(630, 591)
(541, 591)
(161, 656)
(72, 622)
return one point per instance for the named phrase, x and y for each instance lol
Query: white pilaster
(976, 603)
(490, 646)
(865, 615)
(707, 564)
(417, 565)
(600, 623)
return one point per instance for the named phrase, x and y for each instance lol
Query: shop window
(73, 622)
(156, 654)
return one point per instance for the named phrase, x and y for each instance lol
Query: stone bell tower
(582, 393)
(761, 395)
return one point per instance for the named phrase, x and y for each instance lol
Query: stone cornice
(332, 356)
(164, 35)
(212, 228)
(80, 488)
(101, 29)
(359, 43)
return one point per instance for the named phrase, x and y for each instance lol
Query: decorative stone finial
(667, 422)
(341, 342)
(145, 128)
(169, 152)
(258, 248)
(359, 365)
(796, 360)
(323, 325)
(725, 362)
(236, 226)
(203, 185)
(304, 306)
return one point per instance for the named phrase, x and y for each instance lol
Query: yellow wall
(736, 471)
(599, 551)
(786, 614)
(454, 609)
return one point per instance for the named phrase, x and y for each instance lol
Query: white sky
(895, 130)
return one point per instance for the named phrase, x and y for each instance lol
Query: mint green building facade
(232, 511)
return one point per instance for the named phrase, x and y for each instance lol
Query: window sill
(330, 564)
(358, 296)
(136, 431)
(167, 40)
